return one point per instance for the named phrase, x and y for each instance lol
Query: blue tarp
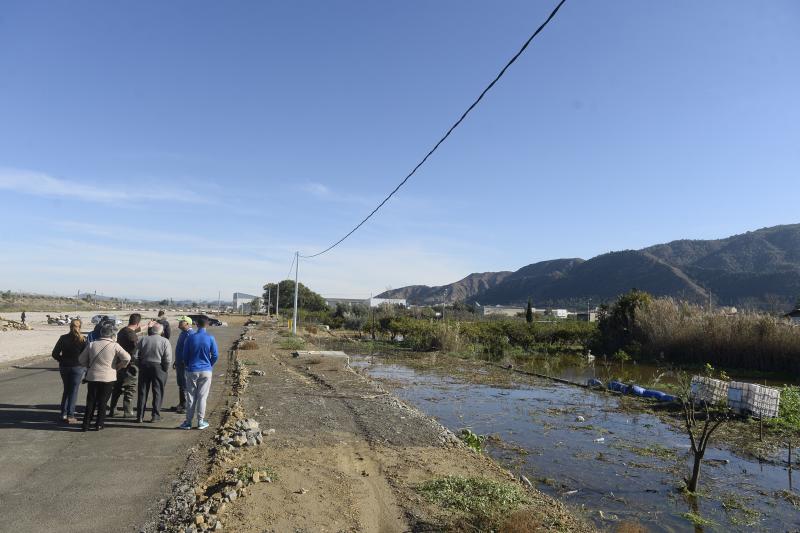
(617, 386)
(639, 391)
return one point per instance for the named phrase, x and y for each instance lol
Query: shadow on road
(44, 417)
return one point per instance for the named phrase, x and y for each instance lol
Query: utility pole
(278, 301)
(296, 287)
(269, 300)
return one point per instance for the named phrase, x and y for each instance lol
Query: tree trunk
(698, 459)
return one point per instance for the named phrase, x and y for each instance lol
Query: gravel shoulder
(342, 454)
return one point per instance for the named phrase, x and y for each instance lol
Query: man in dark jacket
(164, 324)
(126, 378)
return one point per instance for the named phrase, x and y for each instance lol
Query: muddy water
(614, 465)
(578, 370)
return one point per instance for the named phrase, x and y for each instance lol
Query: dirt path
(345, 455)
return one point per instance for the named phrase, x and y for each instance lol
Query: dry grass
(248, 345)
(687, 333)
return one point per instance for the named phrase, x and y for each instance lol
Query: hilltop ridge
(755, 269)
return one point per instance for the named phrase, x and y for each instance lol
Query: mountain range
(755, 269)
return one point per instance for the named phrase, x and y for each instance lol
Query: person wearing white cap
(185, 325)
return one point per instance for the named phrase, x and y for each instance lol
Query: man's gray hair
(108, 329)
(158, 329)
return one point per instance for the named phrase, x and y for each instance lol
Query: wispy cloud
(317, 189)
(41, 184)
(323, 192)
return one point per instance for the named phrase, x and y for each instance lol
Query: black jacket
(67, 350)
(129, 341)
(164, 322)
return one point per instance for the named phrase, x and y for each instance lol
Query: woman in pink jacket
(102, 358)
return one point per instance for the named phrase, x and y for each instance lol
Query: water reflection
(580, 446)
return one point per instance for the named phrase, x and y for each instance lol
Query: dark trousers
(180, 377)
(96, 400)
(125, 386)
(150, 377)
(71, 376)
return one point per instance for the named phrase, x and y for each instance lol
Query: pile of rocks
(240, 373)
(244, 433)
(210, 502)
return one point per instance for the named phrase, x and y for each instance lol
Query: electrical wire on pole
(278, 291)
(296, 286)
(446, 135)
(452, 128)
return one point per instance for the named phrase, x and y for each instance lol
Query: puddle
(614, 465)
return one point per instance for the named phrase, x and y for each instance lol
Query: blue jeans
(71, 376)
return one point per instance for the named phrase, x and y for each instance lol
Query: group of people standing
(117, 364)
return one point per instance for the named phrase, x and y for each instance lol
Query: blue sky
(178, 149)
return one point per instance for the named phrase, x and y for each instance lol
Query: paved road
(56, 478)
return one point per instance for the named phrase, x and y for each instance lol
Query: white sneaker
(202, 424)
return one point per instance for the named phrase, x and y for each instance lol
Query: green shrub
(293, 343)
(477, 497)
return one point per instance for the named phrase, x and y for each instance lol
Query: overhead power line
(446, 135)
(289, 275)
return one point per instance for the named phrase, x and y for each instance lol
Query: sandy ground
(348, 456)
(16, 345)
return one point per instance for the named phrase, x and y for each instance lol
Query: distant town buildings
(591, 316)
(503, 310)
(377, 302)
(332, 302)
(371, 302)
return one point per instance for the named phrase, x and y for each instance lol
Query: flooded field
(584, 448)
(579, 369)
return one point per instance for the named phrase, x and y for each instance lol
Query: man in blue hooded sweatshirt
(185, 325)
(199, 355)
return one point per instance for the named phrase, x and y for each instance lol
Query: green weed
(698, 520)
(472, 440)
(479, 497)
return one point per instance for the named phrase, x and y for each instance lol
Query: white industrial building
(242, 301)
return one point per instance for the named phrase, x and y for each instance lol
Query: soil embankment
(345, 455)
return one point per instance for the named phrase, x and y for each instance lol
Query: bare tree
(699, 439)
